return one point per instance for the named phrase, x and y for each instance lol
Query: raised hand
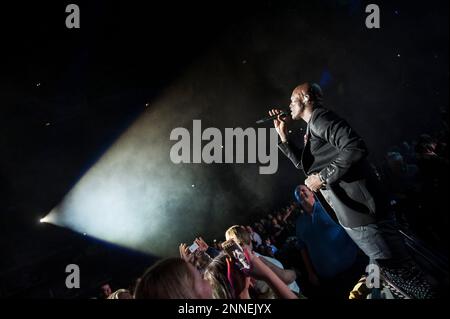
(186, 254)
(279, 124)
(263, 272)
(202, 245)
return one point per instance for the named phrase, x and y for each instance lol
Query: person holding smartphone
(230, 277)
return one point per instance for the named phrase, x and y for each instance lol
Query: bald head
(311, 91)
(304, 98)
(302, 89)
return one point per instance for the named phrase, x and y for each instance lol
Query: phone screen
(235, 252)
(193, 247)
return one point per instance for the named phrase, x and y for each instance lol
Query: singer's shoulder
(322, 118)
(322, 114)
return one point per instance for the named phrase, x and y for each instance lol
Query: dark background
(391, 84)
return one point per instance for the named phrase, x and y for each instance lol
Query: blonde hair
(169, 278)
(239, 234)
(120, 294)
(216, 274)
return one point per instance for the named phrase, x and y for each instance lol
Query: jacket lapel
(306, 157)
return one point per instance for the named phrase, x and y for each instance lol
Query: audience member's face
(306, 195)
(106, 290)
(202, 288)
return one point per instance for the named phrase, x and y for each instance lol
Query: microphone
(284, 113)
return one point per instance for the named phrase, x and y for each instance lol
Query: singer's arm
(292, 152)
(288, 148)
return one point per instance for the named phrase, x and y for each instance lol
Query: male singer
(334, 161)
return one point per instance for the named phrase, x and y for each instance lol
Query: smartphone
(236, 253)
(193, 247)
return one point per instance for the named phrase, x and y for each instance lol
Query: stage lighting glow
(44, 219)
(136, 197)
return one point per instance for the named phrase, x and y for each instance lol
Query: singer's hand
(314, 183)
(280, 124)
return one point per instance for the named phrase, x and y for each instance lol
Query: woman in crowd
(228, 282)
(172, 278)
